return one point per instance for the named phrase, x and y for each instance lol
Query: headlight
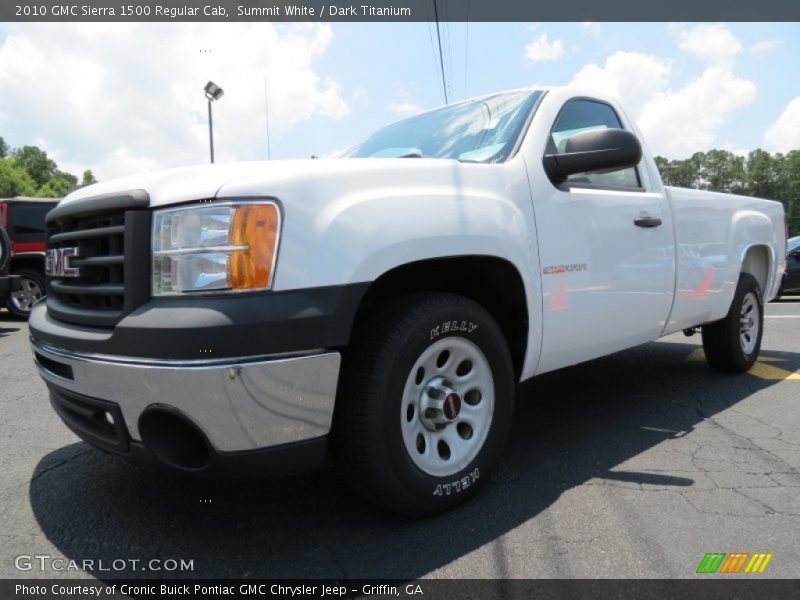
(219, 247)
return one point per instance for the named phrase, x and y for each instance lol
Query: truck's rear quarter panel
(714, 233)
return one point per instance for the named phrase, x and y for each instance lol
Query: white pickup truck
(247, 318)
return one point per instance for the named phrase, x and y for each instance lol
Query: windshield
(793, 243)
(484, 130)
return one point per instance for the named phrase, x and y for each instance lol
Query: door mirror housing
(597, 150)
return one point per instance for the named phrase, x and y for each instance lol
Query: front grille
(100, 262)
(109, 267)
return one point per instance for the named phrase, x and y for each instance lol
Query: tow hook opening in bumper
(174, 439)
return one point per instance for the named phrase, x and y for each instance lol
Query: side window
(29, 219)
(582, 115)
(26, 223)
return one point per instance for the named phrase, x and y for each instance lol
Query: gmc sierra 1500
(242, 317)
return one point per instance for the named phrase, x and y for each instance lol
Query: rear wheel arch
(757, 260)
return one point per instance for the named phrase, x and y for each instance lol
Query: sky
(123, 98)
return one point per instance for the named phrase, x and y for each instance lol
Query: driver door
(605, 246)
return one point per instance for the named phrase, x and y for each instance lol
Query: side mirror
(598, 150)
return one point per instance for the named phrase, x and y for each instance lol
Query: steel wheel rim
(24, 298)
(749, 323)
(447, 406)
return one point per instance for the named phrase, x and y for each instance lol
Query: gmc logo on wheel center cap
(452, 406)
(57, 262)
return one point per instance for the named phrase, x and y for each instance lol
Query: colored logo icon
(736, 562)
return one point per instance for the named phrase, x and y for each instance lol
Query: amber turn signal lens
(256, 227)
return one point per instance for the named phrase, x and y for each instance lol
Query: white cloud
(632, 76)
(784, 134)
(679, 122)
(764, 47)
(676, 120)
(543, 50)
(405, 109)
(120, 98)
(713, 43)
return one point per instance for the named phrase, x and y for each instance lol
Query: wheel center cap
(439, 404)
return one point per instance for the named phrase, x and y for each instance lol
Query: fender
(339, 230)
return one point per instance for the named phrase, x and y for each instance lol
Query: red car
(23, 220)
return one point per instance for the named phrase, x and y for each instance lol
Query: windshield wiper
(411, 155)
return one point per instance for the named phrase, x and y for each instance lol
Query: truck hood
(264, 178)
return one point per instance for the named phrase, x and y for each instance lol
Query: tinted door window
(578, 116)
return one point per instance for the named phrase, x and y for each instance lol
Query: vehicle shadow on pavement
(573, 426)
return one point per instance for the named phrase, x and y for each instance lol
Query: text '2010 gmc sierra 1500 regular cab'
(247, 317)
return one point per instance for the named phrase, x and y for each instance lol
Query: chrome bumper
(240, 404)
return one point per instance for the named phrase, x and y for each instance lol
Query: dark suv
(23, 220)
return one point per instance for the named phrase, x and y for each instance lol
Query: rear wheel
(31, 289)
(425, 403)
(732, 344)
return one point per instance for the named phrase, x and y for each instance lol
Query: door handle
(647, 221)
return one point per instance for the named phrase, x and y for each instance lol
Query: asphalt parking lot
(634, 465)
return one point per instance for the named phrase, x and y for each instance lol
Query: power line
(441, 60)
(448, 46)
(430, 36)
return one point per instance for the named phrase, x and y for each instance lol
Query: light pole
(213, 92)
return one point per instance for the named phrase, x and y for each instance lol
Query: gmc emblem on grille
(57, 262)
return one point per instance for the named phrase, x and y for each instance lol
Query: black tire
(28, 277)
(722, 341)
(5, 250)
(368, 442)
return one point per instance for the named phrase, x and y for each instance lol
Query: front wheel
(732, 344)
(425, 403)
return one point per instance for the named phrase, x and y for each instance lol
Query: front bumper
(238, 405)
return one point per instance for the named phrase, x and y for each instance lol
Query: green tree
(762, 174)
(722, 171)
(14, 181)
(29, 171)
(789, 188)
(58, 185)
(3, 148)
(680, 173)
(36, 163)
(88, 178)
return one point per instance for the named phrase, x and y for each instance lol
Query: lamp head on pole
(213, 91)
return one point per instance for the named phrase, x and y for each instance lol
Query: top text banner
(399, 10)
